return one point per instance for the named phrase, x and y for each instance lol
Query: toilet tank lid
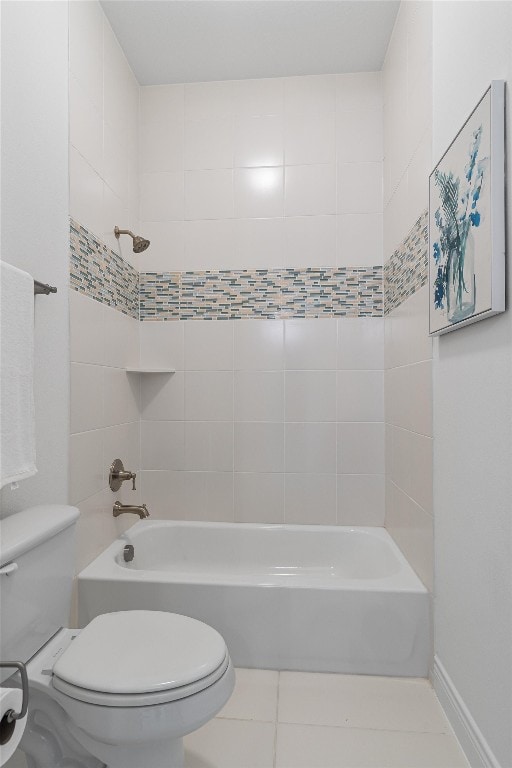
(24, 530)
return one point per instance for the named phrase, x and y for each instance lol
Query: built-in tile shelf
(150, 370)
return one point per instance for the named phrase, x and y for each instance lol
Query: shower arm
(118, 232)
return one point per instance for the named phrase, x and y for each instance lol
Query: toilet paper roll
(10, 733)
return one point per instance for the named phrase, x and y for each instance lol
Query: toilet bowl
(123, 691)
(128, 687)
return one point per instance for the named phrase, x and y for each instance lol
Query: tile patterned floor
(306, 720)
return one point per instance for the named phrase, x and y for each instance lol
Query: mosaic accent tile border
(407, 269)
(262, 293)
(103, 275)
(100, 273)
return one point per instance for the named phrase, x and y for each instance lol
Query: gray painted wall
(473, 418)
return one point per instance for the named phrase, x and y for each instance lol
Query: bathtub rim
(104, 566)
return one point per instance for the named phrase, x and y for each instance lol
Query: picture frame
(466, 248)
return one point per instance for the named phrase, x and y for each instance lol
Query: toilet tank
(37, 558)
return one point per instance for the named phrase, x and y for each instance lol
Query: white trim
(472, 741)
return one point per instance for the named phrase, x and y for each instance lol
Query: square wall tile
(161, 196)
(310, 94)
(360, 187)
(310, 139)
(166, 253)
(161, 128)
(310, 241)
(123, 441)
(310, 396)
(360, 396)
(163, 396)
(162, 445)
(209, 194)
(120, 88)
(121, 396)
(209, 245)
(420, 382)
(259, 396)
(86, 49)
(360, 343)
(259, 447)
(208, 396)
(359, 239)
(87, 473)
(259, 243)
(258, 192)
(85, 192)
(253, 98)
(85, 125)
(209, 143)
(259, 141)
(208, 496)
(259, 345)
(310, 190)
(162, 345)
(359, 90)
(310, 344)
(121, 334)
(163, 493)
(361, 449)
(421, 482)
(95, 528)
(86, 329)
(413, 530)
(209, 445)
(310, 499)
(86, 407)
(205, 101)
(361, 500)
(310, 448)
(359, 136)
(259, 498)
(208, 345)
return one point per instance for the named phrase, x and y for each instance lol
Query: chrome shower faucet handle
(118, 475)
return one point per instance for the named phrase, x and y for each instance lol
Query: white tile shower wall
(284, 172)
(105, 422)
(407, 117)
(103, 125)
(408, 350)
(264, 420)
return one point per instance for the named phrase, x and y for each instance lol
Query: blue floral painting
(460, 247)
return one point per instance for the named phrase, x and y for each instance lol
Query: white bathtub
(315, 598)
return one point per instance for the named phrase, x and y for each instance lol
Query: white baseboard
(472, 741)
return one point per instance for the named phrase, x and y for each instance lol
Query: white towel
(17, 427)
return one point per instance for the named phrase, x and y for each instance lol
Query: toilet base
(162, 754)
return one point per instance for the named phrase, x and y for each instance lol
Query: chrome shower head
(139, 243)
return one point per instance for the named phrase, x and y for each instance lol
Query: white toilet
(123, 691)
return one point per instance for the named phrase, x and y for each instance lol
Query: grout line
(366, 728)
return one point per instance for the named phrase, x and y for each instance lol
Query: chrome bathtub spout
(119, 509)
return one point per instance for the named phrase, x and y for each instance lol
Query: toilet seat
(140, 658)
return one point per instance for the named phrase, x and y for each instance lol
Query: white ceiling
(183, 41)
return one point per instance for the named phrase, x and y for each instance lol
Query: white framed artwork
(467, 220)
